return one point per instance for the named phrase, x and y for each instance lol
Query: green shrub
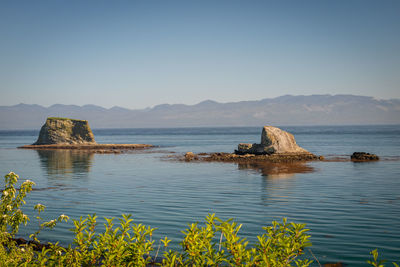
(218, 243)
(378, 263)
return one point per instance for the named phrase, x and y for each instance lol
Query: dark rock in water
(273, 141)
(363, 156)
(65, 131)
(36, 246)
(256, 149)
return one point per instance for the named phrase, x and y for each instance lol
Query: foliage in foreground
(217, 243)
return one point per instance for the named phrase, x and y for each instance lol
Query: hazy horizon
(205, 100)
(202, 101)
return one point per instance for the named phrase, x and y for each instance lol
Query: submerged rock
(273, 141)
(363, 156)
(65, 131)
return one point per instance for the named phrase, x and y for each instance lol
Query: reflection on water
(276, 183)
(65, 163)
(278, 170)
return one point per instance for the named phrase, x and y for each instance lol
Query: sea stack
(65, 131)
(273, 141)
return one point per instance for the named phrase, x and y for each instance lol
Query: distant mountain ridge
(283, 110)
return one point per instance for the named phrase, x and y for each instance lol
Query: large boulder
(65, 131)
(273, 141)
(280, 141)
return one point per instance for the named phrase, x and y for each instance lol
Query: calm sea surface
(351, 208)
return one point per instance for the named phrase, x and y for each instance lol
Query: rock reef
(276, 146)
(65, 131)
(251, 158)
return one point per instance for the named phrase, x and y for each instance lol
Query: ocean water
(350, 208)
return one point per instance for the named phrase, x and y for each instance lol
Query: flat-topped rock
(71, 134)
(58, 131)
(273, 141)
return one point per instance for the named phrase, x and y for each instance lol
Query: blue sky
(137, 54)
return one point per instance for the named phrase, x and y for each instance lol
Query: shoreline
(251, 158)
(96, 148)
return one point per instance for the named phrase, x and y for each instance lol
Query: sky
(137, 54)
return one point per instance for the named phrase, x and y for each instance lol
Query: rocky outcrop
(65, 131)
(363, 156)
(273, 141)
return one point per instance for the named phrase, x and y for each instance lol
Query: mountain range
(283, 110)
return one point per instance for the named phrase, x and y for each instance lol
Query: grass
(64, 119)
